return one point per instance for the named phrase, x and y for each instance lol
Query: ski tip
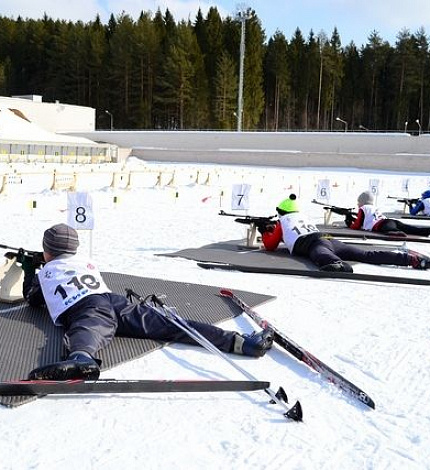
(295, 413)
(226, 293)
(364, 398)
(369, 402)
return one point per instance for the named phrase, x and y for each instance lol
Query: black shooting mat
(29, 339)
(235, 252)
(235, 256)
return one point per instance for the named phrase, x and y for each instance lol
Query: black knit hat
(60, 239)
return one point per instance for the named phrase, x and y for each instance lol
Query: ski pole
(295, 413)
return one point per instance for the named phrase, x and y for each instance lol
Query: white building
(33, 131)
(54, 117)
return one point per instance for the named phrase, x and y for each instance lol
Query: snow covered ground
(377, 335)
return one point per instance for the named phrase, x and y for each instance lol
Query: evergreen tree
(375, 56)
(209, 34)
(335, 73)
(165, 30)
(313, 60)
(145, 65)
(277, 82)
(226, 86)
(96, 56)
(253, 93)
(297, 67)
(407, 75)
(122, 48)
(177, 78)
(351, 92)
(323, 46)
(422, 43)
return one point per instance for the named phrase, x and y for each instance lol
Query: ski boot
(77, 366)
(254, 345)
(419, 262)
(337, 266)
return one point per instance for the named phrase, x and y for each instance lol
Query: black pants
(324, 251)
(393, 225)
(93, 322)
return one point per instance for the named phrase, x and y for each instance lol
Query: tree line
(156, 73)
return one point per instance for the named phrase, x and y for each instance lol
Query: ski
(345, 232)
(53, 387)
(314, 273)
(301, 354)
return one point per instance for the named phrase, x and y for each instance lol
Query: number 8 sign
(80, 211)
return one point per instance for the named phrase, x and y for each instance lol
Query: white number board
(240, 196)
(80, 214)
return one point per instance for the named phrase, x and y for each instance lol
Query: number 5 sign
(80, 211)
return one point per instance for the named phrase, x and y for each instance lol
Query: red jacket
(272, 239)
(358, 222)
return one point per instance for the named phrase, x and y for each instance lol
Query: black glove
(30, 263)
(264, 227)
(38, 259)
(349, 219)
(261, 227)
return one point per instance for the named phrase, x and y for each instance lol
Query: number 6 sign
(323, 191)
(80, 211)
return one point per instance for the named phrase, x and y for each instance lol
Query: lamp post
(419, 126)
(344, 122)
(322, 40)
(406, 126)
(242, 15)
(111, 119)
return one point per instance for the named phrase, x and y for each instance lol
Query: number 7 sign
(240, 196)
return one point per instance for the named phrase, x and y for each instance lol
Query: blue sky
(354, 19)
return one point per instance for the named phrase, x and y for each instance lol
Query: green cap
(288, 205)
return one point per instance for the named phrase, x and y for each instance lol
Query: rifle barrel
(6, 247)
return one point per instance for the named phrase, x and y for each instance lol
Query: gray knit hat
(365, 198)
(60, 239)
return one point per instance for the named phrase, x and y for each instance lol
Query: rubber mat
(234, 256)
(28, 338)
(235, 252)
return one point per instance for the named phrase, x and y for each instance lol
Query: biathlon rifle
(405, 200)
(249, 219)
(335, 209)
(24, 256)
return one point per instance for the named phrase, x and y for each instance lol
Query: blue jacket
(419, 206)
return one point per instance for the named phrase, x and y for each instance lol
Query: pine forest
(157, 73)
